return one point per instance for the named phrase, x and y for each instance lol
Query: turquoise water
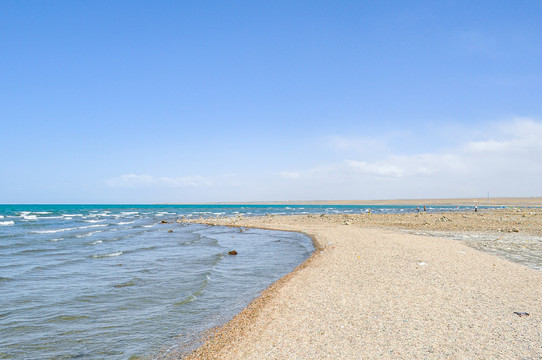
(112, 281)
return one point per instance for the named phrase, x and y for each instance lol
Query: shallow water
(112, 281)
(116, 283)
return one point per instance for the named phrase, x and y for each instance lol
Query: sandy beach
(380, 287)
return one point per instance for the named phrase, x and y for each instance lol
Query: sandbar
(374, 289)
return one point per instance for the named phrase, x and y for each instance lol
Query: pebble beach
(408, 286)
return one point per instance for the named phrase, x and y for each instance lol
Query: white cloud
(519, 137)
(359, 144)
(507, 161)
(138, 181)
(407, 166)
(290, 175)
(376, 168)
(489, 146)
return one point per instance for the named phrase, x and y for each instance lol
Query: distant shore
(487, 201)
(374, 290)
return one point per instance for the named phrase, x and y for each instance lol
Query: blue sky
(180, 101)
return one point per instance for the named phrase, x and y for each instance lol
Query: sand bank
(481, 201)
(373, 291)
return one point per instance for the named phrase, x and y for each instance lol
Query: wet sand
(375, 289)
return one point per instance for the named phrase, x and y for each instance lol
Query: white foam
(126, 222)
(1, 216)
(129, 212)
(66, 229)
(118, 253)
(96, 242)
(89, 233)
(92, 226)
(30, 217)
(57, 239)
(52, 231)
(71, 215)
(93, 221)
(148, 226)
(6, 223)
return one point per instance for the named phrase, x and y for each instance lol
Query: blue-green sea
(115, 282)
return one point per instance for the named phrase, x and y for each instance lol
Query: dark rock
(163, 222)
(170, 231)
(233, 252)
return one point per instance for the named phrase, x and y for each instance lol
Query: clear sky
(199, 101)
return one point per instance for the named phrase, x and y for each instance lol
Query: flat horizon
(507, 200)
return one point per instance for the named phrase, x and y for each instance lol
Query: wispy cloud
(522, 136)
(358, 144)
(141, 181)
(508, 159)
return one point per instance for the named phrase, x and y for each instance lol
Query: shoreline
(533, 201)
(270, 326)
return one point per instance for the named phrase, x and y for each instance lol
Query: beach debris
(521, 314)
(170, 231)
(422, 263)
(163, 222)
(233, 252)
(444, 219)
(346, 223)
(508, 230)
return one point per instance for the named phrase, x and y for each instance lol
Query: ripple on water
(114, 254)
(66, 299)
